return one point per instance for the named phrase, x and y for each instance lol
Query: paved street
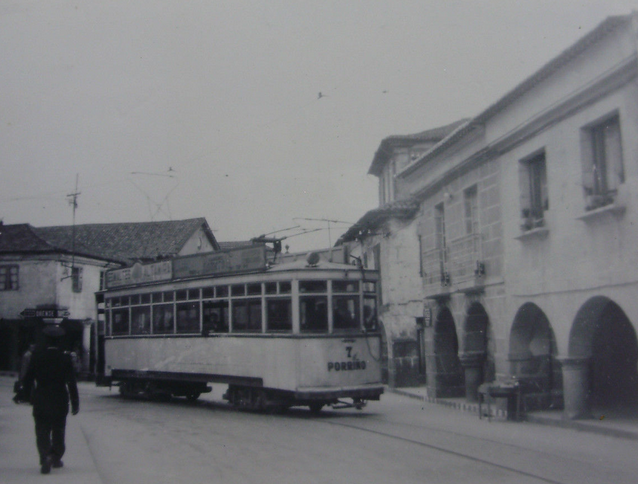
(399, 440)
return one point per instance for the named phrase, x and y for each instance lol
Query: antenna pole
(73, 200)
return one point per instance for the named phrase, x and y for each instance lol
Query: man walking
(52, 371)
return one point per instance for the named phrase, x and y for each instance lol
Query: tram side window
(215, 317)
(345, 313)
(163, 319)
(247, 315)
(141, 320)
(188, 317)
(370, 314)
(119, 321)
(279, 314)
(313, 313)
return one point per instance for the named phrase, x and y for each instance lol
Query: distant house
(51, 274)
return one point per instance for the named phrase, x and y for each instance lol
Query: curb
(472, 408)
(582, 426)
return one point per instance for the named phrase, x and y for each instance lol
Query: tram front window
(313, 314)
(345, 313)
(370, 313)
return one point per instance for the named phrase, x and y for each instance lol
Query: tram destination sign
(246, 259)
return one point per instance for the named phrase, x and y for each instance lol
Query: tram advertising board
(140, 273)
(221, 262)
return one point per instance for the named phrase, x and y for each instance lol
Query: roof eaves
(372, 219)
(397, 140)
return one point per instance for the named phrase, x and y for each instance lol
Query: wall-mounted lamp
(447, 196)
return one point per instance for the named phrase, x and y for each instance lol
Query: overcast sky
(167, 110)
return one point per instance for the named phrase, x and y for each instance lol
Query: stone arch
(603, 342)
(479, 349)
(447, 377)
(532, 357)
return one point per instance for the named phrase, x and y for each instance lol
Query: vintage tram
(302, 333)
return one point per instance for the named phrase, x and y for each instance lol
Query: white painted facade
(527, 226)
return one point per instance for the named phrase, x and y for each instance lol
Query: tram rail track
(454, 453)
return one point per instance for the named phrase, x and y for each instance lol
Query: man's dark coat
(52, 371)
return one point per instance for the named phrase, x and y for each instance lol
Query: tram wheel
(315, 408)
(191, 397)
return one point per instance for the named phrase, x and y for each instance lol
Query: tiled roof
(120, 242)
(127, 242)
(387, 144)
(370, 222)
(22, 237)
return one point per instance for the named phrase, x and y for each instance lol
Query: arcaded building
(507, 249)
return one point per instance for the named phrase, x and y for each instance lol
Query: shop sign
(45, 313)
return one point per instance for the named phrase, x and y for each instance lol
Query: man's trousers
(49, 434)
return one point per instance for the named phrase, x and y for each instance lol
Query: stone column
(576, 387)
(472, 363)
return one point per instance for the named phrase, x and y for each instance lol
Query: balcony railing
(435, 266)
(460, 261)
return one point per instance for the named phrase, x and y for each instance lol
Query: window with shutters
(603, 170)
(533, 189)
(470, 202)
(9, 278)
(76, 279)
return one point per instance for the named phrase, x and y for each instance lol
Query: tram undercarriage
(162, 389)
(263, 399)
(243, 397)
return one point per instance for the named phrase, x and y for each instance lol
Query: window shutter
(587, 161)
(613, 154)
(524, 187)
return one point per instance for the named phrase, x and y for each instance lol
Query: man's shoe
(56, 464)
(45, 468)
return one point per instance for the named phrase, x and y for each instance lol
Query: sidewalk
(19, 461)
(614, 424)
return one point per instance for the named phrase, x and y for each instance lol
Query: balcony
(459, 262)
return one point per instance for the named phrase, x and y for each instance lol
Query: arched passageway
(477, 357)
(532, 358)
(600, 372)
(447, 377)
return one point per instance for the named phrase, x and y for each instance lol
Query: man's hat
(54, 331)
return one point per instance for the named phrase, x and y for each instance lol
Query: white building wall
(401, 288)
(37, 279)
